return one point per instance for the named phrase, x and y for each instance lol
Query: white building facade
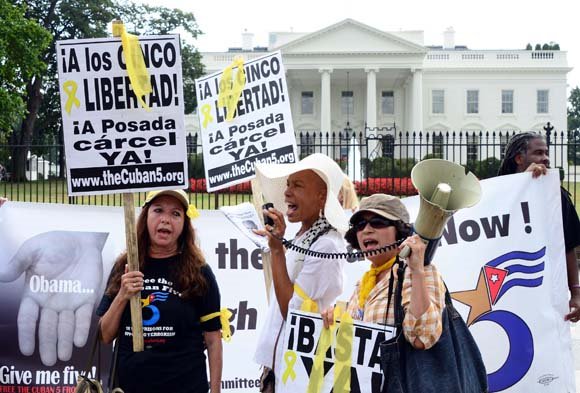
(350, 75)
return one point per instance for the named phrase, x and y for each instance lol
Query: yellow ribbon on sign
(70, 88)
(317, 374)
(308, 304)
(225, 316)
(206, 112)
(231, 88)
(138, 74)
(290, 359)
(342, 354)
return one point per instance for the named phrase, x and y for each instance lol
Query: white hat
(272, 180)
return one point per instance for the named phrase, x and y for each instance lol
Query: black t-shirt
(173, 359)
(570, 221)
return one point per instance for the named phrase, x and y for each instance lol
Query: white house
(351, 75)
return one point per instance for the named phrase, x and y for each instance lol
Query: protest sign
(113, 144)
(361, 342)
(261, 130)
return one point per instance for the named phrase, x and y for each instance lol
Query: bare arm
(283, 287)
(282, 284)
(572, 268)
(213, 342)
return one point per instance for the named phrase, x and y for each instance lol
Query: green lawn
(55, 191)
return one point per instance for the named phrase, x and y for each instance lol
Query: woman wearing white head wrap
(308, 193)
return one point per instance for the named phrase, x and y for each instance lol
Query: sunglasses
(375, 222)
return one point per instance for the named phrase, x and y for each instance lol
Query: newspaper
(245, 218)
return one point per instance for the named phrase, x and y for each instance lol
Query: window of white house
(388, 102)
(507, 101)
(307, 102)
(438, 101)
(347, 103)
(472, 101)
(542, 104)
(438, 144)
(472, 146)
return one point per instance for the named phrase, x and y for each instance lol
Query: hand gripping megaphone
(444, 187)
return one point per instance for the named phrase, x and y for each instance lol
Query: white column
(371, 118)
(371, 97)
(408, 110)
(417, 100)
(325, 99)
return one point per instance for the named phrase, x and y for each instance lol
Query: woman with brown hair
(180, 304)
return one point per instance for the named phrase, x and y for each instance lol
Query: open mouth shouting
(292, 209)
(370, 244)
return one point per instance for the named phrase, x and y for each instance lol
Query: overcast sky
(490, 24)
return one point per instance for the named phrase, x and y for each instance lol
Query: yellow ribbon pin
(231, 88)
(70, 88)
(206, 112)
(290, 360)
(192, 212)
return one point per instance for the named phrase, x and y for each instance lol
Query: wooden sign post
(133, 262)
(258, 200)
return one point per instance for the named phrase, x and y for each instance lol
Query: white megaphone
(444, 187)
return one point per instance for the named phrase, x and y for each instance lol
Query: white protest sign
(261, 131)
(113, 144)
(302, 339)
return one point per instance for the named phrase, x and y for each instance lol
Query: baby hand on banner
(2, 200)
(64, 272)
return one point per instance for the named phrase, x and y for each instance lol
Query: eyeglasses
(375, 222)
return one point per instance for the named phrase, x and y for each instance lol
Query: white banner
(504, 257)
(112, 143)
(261, 131)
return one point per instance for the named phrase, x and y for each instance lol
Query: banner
(503, 261)
(112, 143)
(261, 131)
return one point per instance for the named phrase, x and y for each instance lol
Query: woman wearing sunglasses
(382, 220)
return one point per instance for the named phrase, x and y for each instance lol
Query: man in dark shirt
(528, 152)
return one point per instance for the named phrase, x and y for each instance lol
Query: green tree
(22, 41)
(148, 20)
(68, 19)
(574, 109)
(529, 46)
(538, 47)
(574, 126)
(64, 19)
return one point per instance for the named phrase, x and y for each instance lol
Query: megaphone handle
(405, 252)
